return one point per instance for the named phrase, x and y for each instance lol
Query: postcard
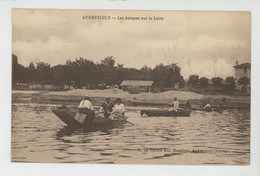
(131, 87)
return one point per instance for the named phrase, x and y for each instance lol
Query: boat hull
(90, 123)
(166, 113)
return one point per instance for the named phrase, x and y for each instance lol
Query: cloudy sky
(203, 43)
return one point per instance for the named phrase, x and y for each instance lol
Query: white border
(28, 169)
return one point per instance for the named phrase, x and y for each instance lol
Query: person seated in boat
(175, 105)
(107, 107)
(85, 105)
(188, 105)
(118, 110)
(207, 106)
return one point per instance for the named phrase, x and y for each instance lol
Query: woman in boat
(118, 110)
(107, 107)
(175, 105)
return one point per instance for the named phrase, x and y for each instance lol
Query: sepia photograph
(131, 87)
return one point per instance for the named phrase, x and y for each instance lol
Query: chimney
(236, 62)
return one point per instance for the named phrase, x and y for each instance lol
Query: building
(242, 70)
(136, 86)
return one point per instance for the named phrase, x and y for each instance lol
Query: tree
(159, 76)
(14, 69)
(175, 73)
(19, 72)
(41, 66)
(31, 73)
(193, 80)
(43, 73)
(120, 73)
(166, 76)
(216, 81)
(145, 73)
(244, 81)
(179, 79)
(231, 84)
(204, 82)
(31, 66)
(58, 74)
(85, 73)
(108, 61)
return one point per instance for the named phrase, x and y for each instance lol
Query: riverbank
(142, 99)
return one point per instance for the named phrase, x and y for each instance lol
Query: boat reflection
(70, 131)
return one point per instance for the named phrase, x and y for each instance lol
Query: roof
(136, 83)
(244, 65)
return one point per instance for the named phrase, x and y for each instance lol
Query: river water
(203, 138)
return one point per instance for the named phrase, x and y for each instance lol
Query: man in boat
(175, 105)
(118, 112)
(85, 105)
(107, 107)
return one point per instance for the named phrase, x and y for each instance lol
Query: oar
(164, 106)
(129, 122)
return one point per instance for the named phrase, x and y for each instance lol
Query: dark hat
(118, 100)
(87, 97)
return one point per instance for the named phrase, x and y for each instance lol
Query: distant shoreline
(73, 97)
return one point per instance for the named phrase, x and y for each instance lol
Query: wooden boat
(166, 112)
(89, 122)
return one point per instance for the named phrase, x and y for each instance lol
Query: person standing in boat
(118, 110)
(107, 107)
(175, 105)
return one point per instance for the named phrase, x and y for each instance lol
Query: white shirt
(86, 104)
(207, 105)
(119, 108)
(175, 104)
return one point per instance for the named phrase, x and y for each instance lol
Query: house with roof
(136, 86)
(242, 70)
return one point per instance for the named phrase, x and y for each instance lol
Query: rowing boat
(86, 121)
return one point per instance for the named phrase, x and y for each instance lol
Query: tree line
(82, 72)
(229, 85)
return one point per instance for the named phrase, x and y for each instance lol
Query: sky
(200, 42)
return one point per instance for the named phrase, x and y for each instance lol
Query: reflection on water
(204, 138)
